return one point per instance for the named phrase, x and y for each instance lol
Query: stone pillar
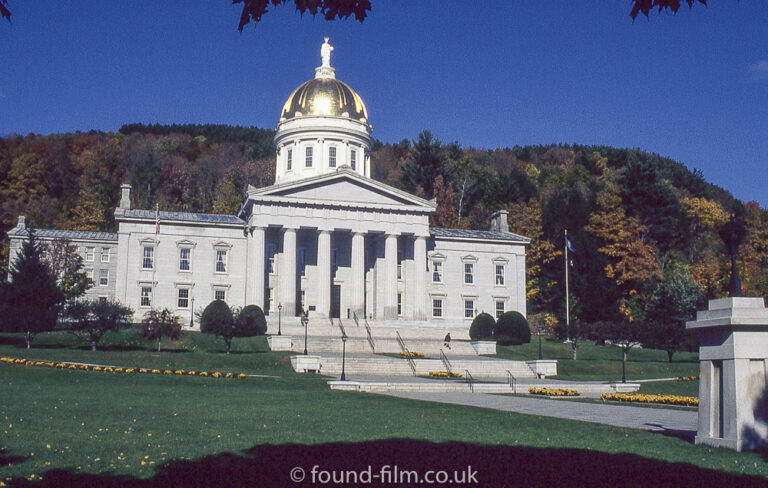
(324, 273)
(255, 272)
(358, 274)
(286, 274)
(732, 373)
(390, 286)
(420, 278)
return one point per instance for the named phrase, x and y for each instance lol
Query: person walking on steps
(448, 340)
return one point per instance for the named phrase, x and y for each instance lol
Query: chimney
(499, 221)
(125, 196)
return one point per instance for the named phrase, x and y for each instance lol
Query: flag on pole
(157, 219)
(569, 244)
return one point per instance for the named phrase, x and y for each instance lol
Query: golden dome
(324, 97)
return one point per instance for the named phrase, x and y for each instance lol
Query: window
(104, 254)
(89, 274)
(469, 309)
(500, 274)
(183, 299)
(469, 273)
(437, 271)
(221, 260)
(89, 254)
(146, 296)
(103, 277)
(289, 160)
(399, 304)
(102, 299)
(353, 158)
(308, 157)
(185, 254)
(332, 156)
(334, 258)
(148, 258)
(399, 263)
(270, 258)
(220, 295)
(270, 300)
(437, 307)
(499, 308)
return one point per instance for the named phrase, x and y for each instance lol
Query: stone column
(287, 273)
(390, 265)
(255, 272)
(420, 278)
(324, 273)
(358, 274)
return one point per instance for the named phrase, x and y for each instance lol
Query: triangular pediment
(342, 186)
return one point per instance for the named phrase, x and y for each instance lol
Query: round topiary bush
(250, 322)
(512, 329)
(482, 327)
(217, 320)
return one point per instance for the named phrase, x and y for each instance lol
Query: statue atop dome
(325, 54)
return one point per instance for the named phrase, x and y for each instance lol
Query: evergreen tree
(30, 301)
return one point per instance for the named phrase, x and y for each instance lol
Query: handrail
(470, 380)
(341, 327)
(445, 361)
(512, 381)
(367, 331)
(411, 363)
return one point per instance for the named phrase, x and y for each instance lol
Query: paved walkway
(672, 421)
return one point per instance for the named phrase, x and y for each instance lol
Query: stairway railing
(411, 362)
(512, 381)
(470, 380)
(367, 331)
(445, 361)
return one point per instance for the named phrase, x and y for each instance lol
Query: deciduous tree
(94, 318)
(159, 324)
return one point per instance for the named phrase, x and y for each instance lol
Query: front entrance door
(335, 301)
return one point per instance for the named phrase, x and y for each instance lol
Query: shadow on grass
(112, 347)
(6, 459)
(268, 465)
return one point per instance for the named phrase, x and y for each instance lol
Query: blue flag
(569, 245)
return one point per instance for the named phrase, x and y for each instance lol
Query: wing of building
(325, 238)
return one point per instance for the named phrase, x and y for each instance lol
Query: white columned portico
(287, 273)
(324, 273)
(255, 282)
(420, 281)
(358, 274)
(390, 274)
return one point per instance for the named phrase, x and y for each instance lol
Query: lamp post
(343, 355)
(305, 323)
(279, 311)
(540, 332)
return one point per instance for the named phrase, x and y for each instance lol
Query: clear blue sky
(487, 74)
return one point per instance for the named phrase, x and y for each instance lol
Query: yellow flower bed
(444, 374)
(687, 378)
(412, 354)
(553, 391)
(643, 398)
(113, 369)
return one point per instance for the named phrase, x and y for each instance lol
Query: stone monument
(733, 360)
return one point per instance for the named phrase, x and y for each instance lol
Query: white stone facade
(325, 238)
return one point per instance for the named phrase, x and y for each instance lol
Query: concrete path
(671, 421)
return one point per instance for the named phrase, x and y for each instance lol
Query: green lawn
(604, 362)
(129, 425)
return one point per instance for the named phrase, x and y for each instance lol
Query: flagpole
(154, 253)
(567, 294)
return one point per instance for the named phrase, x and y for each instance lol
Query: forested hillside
(642, 225)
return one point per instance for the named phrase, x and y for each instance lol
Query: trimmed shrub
(250, 322)
(482, 327)
(217, 320)
(512, 329)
